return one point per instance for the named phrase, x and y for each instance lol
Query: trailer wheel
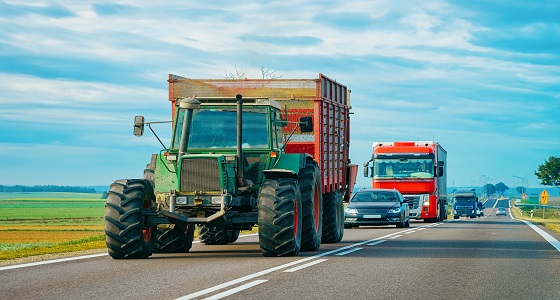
(213, 235)
(279, 224)
(333, 217)
(175, 240)
(312, 206)
(126, 235)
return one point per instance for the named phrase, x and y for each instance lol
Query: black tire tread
(277, 219)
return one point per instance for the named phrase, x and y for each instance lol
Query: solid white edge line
(394, 237)
(550, 239)
(236, 290)
(348, 251)
(305, 265)
(51, 261)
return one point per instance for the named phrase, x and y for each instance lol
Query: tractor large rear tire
(333, 217)
(125, 234)
(175, 240)
(213, 235)
(279, 217)
(312, 206)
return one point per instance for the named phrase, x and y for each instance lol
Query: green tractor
(226, 170)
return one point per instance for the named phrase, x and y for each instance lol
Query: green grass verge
(551, 218)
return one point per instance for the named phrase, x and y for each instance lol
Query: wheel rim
(147, 234)
(316, 208)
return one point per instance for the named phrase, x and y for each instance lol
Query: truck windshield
(216, 128)
(464, 199)
(403, 167)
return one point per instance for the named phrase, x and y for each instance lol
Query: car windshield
(376, 196)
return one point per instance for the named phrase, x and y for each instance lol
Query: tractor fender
(287, 166)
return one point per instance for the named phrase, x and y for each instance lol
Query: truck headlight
(425, 199)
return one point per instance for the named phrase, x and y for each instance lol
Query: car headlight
(395, 210)
(351, 211)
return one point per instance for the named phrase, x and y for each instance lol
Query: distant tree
(489, 189)
(549, 172)
(104, 195)
(501, 188)
(266, 73)
(45, 188)
(521, 189)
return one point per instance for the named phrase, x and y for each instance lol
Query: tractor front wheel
(213, 235)
(175, 240)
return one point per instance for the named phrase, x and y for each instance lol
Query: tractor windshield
(216, 128)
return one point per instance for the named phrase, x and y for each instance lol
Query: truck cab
(465, 204)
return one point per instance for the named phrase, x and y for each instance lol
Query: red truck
(417, 170)
(266, 152)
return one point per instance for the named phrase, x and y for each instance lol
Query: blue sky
(480, 77)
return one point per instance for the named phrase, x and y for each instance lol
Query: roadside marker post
(544, 200)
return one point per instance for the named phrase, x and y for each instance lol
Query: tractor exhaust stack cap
(189, 103)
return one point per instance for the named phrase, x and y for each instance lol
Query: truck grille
(464, 210)
(414, 201)
(200, 174)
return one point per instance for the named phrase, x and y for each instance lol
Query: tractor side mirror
(306, 124)
(139, 125)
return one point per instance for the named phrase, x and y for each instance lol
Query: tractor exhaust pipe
(240, 180)
(189, 104)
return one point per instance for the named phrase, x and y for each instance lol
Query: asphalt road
(493, 257)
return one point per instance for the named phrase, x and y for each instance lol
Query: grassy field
(45, 223)
(33, 224)
(551, 218)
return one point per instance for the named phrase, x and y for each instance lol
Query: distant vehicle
(465, 204)
(479, 209)
(501, 212)
(377, 207)
(417, 170)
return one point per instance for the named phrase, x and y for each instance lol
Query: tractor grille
(200, 174)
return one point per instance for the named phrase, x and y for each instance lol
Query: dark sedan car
(377, 207)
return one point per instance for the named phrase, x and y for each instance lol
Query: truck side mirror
(440, 171)
(139, 125)
(366, 169)
(306, 124)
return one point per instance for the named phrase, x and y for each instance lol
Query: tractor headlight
(181, 200)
